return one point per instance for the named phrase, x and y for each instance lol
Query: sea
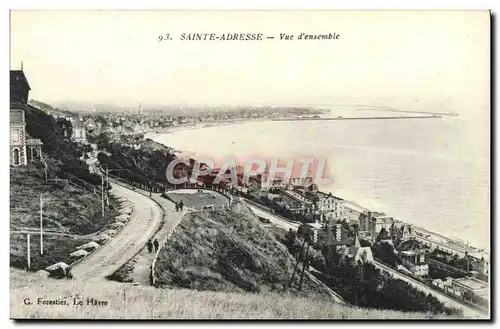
(433, 173)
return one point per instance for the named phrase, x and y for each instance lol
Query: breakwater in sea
(361, 118)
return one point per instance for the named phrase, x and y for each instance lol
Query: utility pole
(29, 252)
(102, 195)
(45, 169)
(296, 264)
(304, 264)
(41, 224)
(107, 185)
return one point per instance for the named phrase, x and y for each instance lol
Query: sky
(409, 59)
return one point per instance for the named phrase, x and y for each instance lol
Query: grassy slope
(56, 249)
(227, 251)
(129, 302)
(66, 210)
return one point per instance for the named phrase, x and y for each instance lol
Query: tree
(290, 237)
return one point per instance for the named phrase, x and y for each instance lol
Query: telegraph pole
(296, 264)
(102, 195)
(107, 185)
(304, 264)
(41, 224)
(29, 252)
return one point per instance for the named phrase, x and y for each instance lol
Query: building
(353, 211)
(469, 287)
(336, 235)
(415, 261)
(327, 205)
(384, 237)
(477, 260)
(79, 133)
(300, 182)
(313, 203)
(443, 284)
(23, 148)
(357, 254)
(374, 222)
(296, 202)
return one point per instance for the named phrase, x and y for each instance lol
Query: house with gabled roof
(23, 148)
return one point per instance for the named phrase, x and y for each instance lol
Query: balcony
(33, 141)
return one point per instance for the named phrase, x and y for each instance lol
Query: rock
(109, 232)
(127, 210)
(91, 245)
(102, 238)
(56, 266)
(116, 225)
(122, 218)
(79, 253)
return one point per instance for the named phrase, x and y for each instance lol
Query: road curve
(144, 222)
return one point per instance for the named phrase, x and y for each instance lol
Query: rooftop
(472, 283)
(17, 77)
(409, 252)
(297, 195)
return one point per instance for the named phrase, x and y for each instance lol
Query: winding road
(144, 221)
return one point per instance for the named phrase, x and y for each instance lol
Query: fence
(69, 182)
(78, 260)
(157, 252)
(84, 186)
(187, 210)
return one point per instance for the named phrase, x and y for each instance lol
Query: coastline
(151, 133)
(436, 237)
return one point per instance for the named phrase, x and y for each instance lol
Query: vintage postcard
(250, 164)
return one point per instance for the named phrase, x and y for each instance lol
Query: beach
(417, 171)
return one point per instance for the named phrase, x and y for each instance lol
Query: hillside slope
(61, 154)
(134, 302)
(228, 250)
(69, 215)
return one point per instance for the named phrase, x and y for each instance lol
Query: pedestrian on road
(176, 207)
(181, 205)
(150, 246)
(156, 244)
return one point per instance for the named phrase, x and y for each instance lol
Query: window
(15, 136)
(16, 155)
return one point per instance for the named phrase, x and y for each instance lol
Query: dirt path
(143, 260)
(144, 222)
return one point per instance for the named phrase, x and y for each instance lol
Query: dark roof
(17, 77)
(383, 235)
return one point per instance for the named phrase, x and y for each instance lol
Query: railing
(69, 182)
(152, 274)
(33, 141)
(187, 210)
